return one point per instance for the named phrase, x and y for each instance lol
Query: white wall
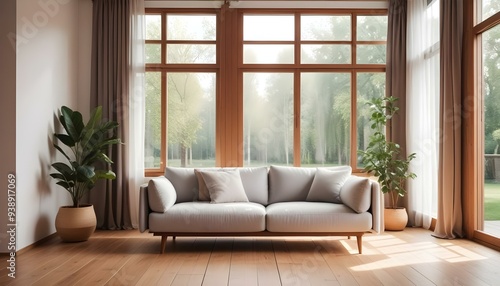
(47, 77)
(84, 55)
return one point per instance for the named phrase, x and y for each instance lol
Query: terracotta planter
(75, 224)
(395, 219)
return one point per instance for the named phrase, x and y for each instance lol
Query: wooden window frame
(297, 68)
(165, 68)
(229, 70)
(473, 150)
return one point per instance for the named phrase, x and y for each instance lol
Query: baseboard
(37, 243)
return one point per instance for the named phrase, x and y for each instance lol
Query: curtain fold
(112, 87)
(422, 110)
(396, 71)
(449, 219)
(136, 106)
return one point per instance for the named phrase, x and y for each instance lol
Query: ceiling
(352, 4)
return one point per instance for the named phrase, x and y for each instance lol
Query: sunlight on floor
(398, 252)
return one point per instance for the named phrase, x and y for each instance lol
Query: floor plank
(410, 257)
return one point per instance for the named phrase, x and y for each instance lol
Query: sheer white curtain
(422, 109)
(136, 106)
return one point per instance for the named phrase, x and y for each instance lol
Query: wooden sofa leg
(163, 243)
(359, 239)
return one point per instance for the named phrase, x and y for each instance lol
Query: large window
(298, 81)
(489, 207)
(301, 79)
(181, 80)
(482, 115)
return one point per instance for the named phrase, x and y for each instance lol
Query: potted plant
(86, 148)
(383, 159)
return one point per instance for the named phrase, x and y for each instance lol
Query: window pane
(268, 28)
(325, 54)
(153, 53)
(432, 14)
(325, 28)
(191, 119)
(370, 54)
(368, 86)
(325, 119)
(489, 8)
(191, 54)
(268, 118)
(152, 134)
(372, 28)
(268, 54)
(153, 27)
(491, 95)
(191, 27)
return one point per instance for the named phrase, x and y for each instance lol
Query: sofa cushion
(203, 194)
(326, 185)
(224, 187)
(288, 184)
(185, 183)
(306, 217)
(356, 193)
(161, 194)
(254, 180)
(193, 217)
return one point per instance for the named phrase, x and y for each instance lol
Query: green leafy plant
(87, 144)
(383, 158)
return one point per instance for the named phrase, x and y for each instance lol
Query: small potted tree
(86, 148)
(382, 158)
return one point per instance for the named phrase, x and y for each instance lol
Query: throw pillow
(161, 194)
(326, 185)
(203, 194)
(224, 187)
(356, 193)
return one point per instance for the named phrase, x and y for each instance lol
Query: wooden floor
(411, 257)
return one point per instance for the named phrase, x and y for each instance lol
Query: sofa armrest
(377, 208)
(144, 209)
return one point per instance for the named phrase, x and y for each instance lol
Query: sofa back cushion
(288, 184)
(256, 185)
(185, 182)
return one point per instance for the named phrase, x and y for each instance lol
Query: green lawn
(491, 201)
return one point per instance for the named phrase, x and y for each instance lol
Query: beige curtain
(396, 68)
(396, 72)
(449, 219)
(110, 89)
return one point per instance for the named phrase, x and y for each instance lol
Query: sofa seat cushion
(315, 217)
(196, 217)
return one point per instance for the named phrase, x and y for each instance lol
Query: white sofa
(275, 201)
